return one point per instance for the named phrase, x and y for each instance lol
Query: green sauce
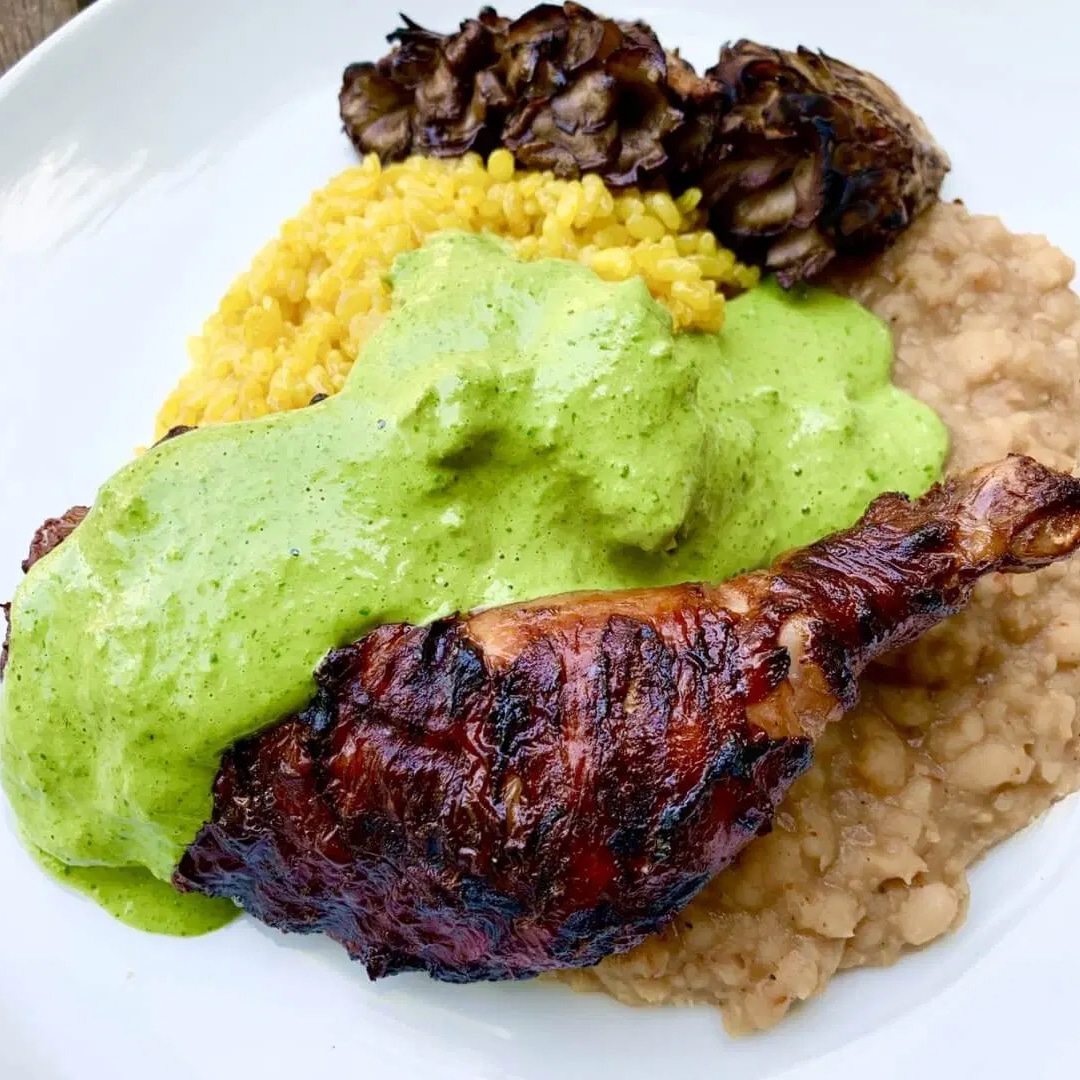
(514, 429)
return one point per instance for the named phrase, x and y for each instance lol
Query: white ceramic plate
(146, 153)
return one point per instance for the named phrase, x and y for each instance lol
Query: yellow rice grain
(292, 326)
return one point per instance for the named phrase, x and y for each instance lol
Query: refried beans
(960, 740)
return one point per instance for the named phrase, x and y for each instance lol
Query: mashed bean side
(959, 740)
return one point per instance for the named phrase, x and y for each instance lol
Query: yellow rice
(292, 326)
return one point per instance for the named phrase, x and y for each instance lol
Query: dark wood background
(23, 23)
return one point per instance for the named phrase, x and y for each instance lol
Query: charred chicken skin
(537, 786)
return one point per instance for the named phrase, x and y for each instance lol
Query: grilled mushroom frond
(592, 95)
(814, 158)
(562, 88)
(800, 157)
(432, 94)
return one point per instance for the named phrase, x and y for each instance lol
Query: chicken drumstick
(537, 786)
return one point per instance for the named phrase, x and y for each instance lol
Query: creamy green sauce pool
(514, 429)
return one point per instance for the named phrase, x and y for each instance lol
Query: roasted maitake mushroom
(432, 94)
(561, 87)
(799, 157)
(814, 158)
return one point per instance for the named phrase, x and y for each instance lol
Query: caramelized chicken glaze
(540, 785)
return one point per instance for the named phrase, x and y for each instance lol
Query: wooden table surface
(23, 23)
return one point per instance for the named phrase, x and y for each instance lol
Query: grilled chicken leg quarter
(537, 786)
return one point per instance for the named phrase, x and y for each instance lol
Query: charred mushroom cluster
(562, 88)
(799, 157)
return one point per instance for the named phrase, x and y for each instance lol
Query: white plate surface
(146, 153)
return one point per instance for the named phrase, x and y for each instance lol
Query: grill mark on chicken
(540, 785)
